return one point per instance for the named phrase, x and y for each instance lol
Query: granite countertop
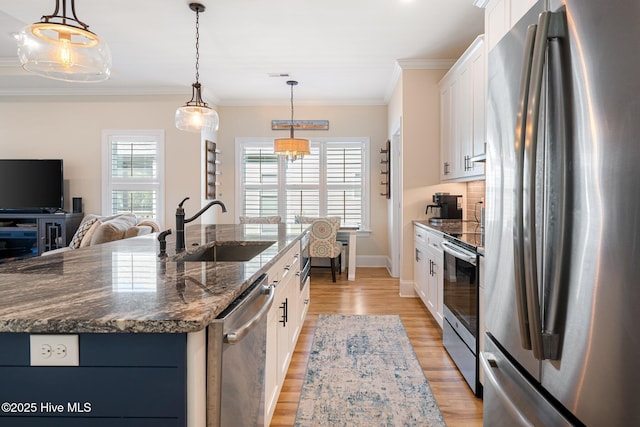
(124, 286)
(468, 232)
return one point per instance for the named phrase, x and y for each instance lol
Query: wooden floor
(375, 292)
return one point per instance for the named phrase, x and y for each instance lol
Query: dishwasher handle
(234, 337)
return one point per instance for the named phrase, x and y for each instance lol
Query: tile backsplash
(475, 194)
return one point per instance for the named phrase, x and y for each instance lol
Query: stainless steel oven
(460, 327)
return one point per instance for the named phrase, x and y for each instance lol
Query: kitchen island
(140, 320)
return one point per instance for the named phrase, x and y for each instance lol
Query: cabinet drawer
(289, 263)
(420, 236)
(434, 240)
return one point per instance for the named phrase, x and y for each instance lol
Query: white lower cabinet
(427, 271)
(284, 323)
(420, 266)
(435, 280)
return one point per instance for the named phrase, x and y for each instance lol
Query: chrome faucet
(181, 221)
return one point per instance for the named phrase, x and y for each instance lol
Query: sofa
(97, 229)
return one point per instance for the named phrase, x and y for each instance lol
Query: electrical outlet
(60, 351)
(54, 350)
(45, 351)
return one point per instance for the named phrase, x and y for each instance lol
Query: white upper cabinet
(500, 16)
(448, 129)
(462, 115)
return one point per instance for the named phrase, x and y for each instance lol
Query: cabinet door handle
(285, 312)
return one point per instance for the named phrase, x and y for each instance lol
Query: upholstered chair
(260, 219)
(322, 241)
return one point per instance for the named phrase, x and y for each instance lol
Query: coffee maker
(450, 207)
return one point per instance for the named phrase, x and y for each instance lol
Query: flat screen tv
(30, 185)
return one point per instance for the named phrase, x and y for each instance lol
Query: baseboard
(371, 261)
(406, 289)
(361, 261)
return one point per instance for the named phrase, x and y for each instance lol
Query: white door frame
(394, 205)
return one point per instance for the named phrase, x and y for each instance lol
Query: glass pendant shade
(63, 52)
(196, 115)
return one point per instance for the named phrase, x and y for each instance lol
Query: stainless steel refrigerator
(562, 290)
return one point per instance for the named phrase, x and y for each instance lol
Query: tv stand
(25, 235)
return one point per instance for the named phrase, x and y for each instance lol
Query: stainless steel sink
(225, 251)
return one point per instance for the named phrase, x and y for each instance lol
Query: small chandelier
(291, 148)
(196, 115)
(62, 47)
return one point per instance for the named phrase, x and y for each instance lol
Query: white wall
(344, 121)
(71, 128)
(416, 101)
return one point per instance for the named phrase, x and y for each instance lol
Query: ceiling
(341, 51)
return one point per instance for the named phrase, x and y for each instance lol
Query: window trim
(110, 135)
(241, 142)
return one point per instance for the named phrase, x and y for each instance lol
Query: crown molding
(83, 91)
(321, 102)
(425, 64)
(414, 64)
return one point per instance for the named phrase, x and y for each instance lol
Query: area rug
(363, 371)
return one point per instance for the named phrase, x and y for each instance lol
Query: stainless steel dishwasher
(236, 353)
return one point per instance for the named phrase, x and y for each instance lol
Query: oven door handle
(457, 252)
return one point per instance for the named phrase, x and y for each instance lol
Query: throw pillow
(81, 232)
(113, 229)
(86, 240)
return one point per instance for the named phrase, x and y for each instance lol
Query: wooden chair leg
(333, 269)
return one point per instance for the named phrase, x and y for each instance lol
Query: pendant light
(291, 148)
(61, 47)
(196, 115)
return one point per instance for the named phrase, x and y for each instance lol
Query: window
(328, 182)
(133, 173)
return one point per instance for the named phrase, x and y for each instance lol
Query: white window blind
(260, 178)
(344, 183)
(302, 184)
(133, 173)
(327, 182)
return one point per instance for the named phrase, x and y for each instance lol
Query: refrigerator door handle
(556, 189)
(529, 184)
(518, 245)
